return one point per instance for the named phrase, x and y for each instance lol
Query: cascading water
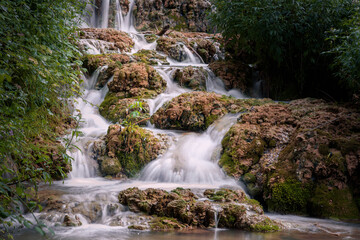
(105, 6)
(192, 158)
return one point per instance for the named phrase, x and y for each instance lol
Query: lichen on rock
(127, 150)
(191, 77)
(180, 209)
(296, 157)
(196, 111)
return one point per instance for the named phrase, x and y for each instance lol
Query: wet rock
(296, 157)
(197, 110)
(191, 77)
(71, 221)
(234, 74)
(112, 61)
(117, 109)
(128, 150)
(172, 48)
(179, 209)
(150, 38)
(137, 80)
(121, 41)
(182, 15)
(150, 57)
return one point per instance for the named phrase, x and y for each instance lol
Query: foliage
(285, 37)
(346, 41)
(39, 71)
(132, 120)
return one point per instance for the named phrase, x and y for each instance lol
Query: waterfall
(125, 22)
(105, 13)
(193, 158)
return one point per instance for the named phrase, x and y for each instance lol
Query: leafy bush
(39, 71)
(287, 38)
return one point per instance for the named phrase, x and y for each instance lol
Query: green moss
(227, 163)
(249, 178)
(165, 223)
(210, 120)
(136, 150)
(324, 149)
(272, 143)
(336, 160)
(265, 226)
(334, 203)
(348, 146)
(289, 197)
(110, 166)
(256, 150)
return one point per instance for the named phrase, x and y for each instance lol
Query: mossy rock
(290, 196)
(150, 38)
(138, 148)
(166, 224)
(116, 109)
(333, 203)
(151, 57)
(110, 166)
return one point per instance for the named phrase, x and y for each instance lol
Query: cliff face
(184, 15)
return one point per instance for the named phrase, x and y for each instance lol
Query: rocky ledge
(126, 150)
(302, 157)
(116, 40)
(196, 111)
(181, 209)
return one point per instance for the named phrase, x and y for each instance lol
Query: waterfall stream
(190, 162)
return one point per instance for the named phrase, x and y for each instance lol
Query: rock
(150, 38)
(297, 156)
(128, 150)
(234, 74)
(121, 41)
(112, 61)
(71, 221)
(117, 109)
(172, 48)
(182, 15)
(151, 57)
(180, 210)
(137, 80)
(197, 110)
(191, 77)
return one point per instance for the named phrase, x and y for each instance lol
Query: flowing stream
(190, 162)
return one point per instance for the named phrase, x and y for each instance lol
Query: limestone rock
(191, 77)
(298, 157)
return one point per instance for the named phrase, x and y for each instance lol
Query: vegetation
(289, 41)
(39, 71)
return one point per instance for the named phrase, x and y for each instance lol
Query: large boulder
(126, 150)
(117, 109)
(301, 157)
(172, 48)
(191, 77)
(196, 111)
(137, 80)
(105, 64)
(180, 209)
(182, 15)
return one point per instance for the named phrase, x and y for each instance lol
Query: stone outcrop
(191, 77)
(117, 109)
(196, 111)
(182, 15)
(126, 150)
(109, 62)
(301, 157)
(119, 40)
(133, 83)
(150, 57)
(234, 74)
(137, 80)
(180, 209)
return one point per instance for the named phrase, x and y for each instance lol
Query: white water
(105, 13)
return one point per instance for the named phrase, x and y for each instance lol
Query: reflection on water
(105, 233)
